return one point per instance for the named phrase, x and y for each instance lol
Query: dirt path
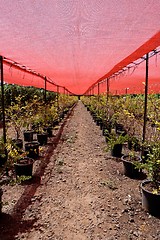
(84, 194)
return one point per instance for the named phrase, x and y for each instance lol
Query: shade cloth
(76, 43)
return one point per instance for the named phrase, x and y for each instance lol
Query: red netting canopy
(76, 43)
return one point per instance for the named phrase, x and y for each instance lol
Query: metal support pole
(107, 88)
(57, 97)
(126, 92)
(45, 88)
(3, 107)
(98, 88)
(145, 101)
(45, 99)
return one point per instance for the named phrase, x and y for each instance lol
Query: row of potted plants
(121, 120)
(34, 117)
(33, 123)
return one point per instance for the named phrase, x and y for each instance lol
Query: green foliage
(15, 115)
(20, 180)
(128, 111)
(152, 165)
(13, 153)
(115, 139)
(12, 91)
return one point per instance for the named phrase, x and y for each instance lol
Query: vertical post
(45, 88)
(107, 88)
(93, 90)
(64, 89)
(3, 107)
(45, 99)
(126, 92)
(57, 97)
(145, 101)
(98, 88)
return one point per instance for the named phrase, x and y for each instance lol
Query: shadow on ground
(12, 224)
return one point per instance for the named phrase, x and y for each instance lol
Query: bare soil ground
(80, 193)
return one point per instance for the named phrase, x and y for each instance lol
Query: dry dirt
(79, 193)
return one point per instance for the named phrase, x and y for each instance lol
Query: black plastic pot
(119, 128)
(61, 115)
(55, 123)
(28, 136)
(49, 131)
(24, 167)
(117, 150)
(66, 111)
(150, 201)
(18, 142)
(94, 117)
(42, 138)
(98, 121)
(3, 159)
(129, 168)
(33, 149)
(108, 128)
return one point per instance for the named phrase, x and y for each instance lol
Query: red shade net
(76, 43)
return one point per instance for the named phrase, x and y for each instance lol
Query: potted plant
(50, 119)
(115, 144)
(150, 187)
(18, 159)
(134, 143)
(129, 164)
(42, 135)
(32, 149)
(16, 119)
(31, 110)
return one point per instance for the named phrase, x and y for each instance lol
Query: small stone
(135, 234)
(131, 220)
(124, 210)
(117, 226)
